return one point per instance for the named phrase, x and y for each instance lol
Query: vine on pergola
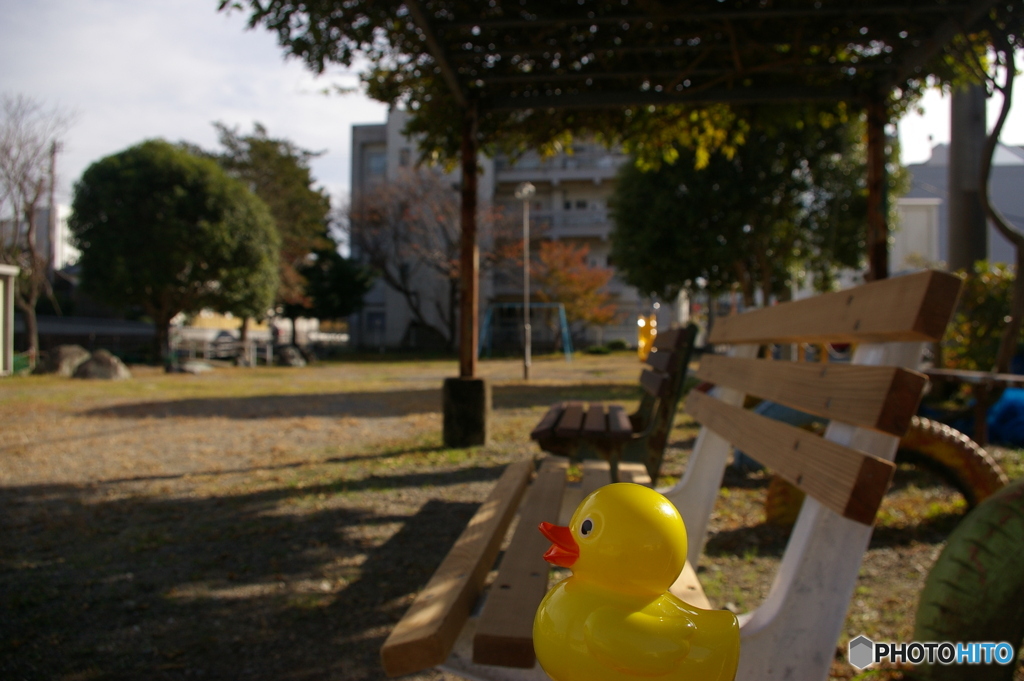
(647, 75)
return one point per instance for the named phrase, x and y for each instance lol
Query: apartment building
(922, 235)
(570, 203)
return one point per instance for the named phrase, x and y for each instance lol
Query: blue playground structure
(487, 332)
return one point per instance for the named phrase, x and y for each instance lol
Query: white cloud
(169, 68)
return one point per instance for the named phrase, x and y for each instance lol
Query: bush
(972, 341)
(618, 344)
(597, 350)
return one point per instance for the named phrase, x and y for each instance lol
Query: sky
(132, 70)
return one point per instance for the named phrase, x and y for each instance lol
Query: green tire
(975, 590)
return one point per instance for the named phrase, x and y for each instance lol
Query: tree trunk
(162, 340)
(1011, 333)
(243, 344)
(28, 308)
(294, 321)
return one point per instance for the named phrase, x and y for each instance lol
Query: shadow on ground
(358, 404)
(263, 585)
(762, 539)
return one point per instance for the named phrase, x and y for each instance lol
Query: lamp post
(524, 192)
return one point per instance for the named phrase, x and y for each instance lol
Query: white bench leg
(793, 634)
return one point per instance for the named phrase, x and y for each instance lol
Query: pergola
(576, 55)
(476, 68)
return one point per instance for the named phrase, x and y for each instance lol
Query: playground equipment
(646, 332)
(497, 316)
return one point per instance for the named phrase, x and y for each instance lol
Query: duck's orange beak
(564, 550)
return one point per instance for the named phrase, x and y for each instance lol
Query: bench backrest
(845, 473)
(662, 381)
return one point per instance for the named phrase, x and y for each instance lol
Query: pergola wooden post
(469, 260)
(467, 399)
(878, 224)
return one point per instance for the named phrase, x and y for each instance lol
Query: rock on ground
(289, 356)
(62, 360)
(102, 364)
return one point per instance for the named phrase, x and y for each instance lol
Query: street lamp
(524, 192)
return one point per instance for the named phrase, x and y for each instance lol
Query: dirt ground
(276, 523)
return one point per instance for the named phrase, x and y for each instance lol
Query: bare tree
(407, 229)
(30, 135)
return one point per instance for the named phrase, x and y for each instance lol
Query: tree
(563, 275)
(335, 284)
(169, 231)
(30, 136)
(790, 201)
(407, 230)
(278, 172)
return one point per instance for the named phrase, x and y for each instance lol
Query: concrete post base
(467, 410)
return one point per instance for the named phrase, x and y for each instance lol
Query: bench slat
(618, 421)
(425, 635)
(668, 340)
(595, 422)
(881, 398)
(654, 382)
(546, 427)
(688, 588)
(504, 632)
(849, 482)
(915, 307)
(660, 361)
(571, 421)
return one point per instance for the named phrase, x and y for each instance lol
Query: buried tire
(975, 590)
(954, 457)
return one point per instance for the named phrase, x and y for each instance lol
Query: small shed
(8, 273)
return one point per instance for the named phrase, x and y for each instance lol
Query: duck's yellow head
(623, 536)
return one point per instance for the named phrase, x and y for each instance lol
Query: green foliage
(336, 285)
(169, 231)
(617, 344)
(791, 201)
(972, 340)
(278, 172)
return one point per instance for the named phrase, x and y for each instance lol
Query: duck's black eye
(587, 527)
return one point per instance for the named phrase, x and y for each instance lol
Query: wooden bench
(580, 431)
(845, 473)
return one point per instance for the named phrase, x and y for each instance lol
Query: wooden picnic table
(982, 385)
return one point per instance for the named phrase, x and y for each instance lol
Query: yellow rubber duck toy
(614, 618)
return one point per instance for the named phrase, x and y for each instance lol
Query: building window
(581, 205)
(376, 163)
(403, 157)
(568, 205)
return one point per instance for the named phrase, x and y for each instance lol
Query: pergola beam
(945, 33)
(733, 15)
(436, 51)
(622, 98)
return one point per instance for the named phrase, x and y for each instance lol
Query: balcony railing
(569, 223)
(581, 161)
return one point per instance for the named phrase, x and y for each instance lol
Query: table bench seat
(844, 474)
(580, 430)
(500, 556)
